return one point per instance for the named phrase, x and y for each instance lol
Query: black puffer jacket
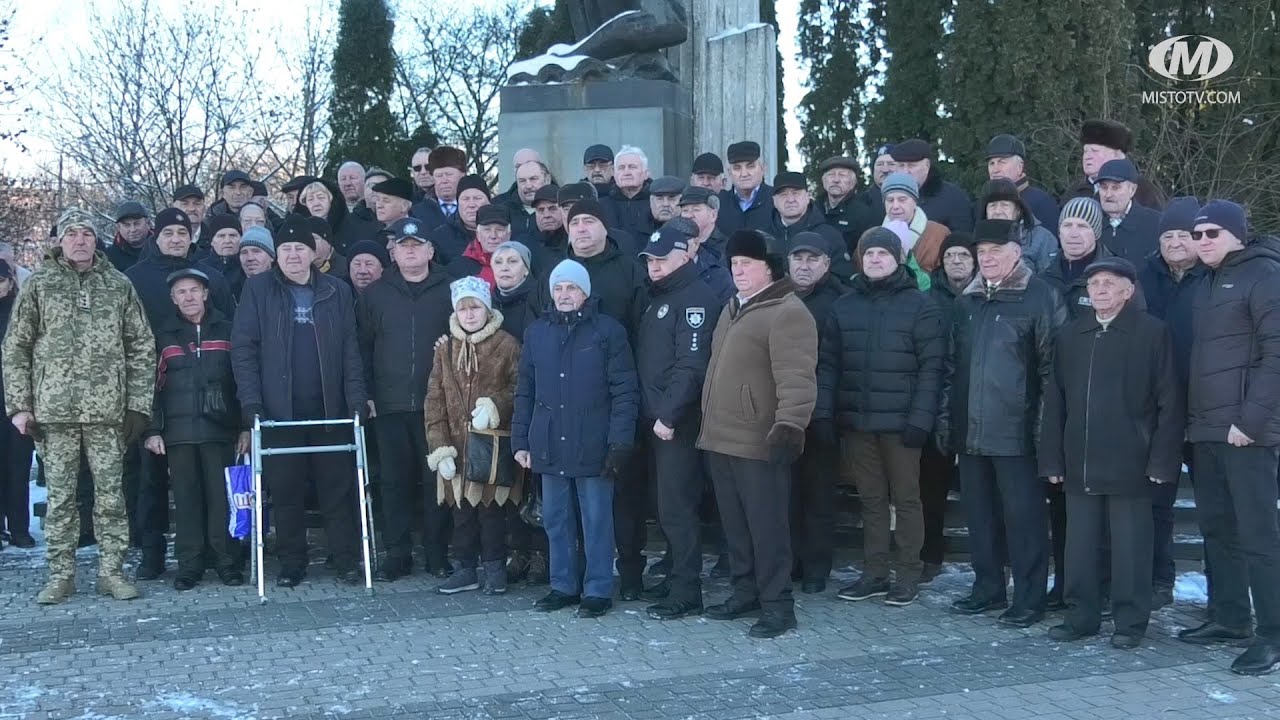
(617, 280)
(880, 357)
(998, 364)
(819, 298)
(195, 400)
(399, 325)
(1235, 353)
(262, 355)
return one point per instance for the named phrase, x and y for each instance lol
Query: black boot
(772, 623)
(152, 565)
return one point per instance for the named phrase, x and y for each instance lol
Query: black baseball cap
(597, 153)
(793, 180)
(408, 228)
(708, 164)
(231, 176)
(665, 240)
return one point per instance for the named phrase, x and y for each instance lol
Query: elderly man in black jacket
(196, 424)
(879, 376)
(295, 357)
(399, 317)
(1235, 380)
(1000, 355)
(1113, 426)
(814, 484)
(942, 201)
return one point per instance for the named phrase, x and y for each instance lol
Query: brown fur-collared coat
(483, 364)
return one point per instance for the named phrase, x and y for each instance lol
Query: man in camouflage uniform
(79, 363)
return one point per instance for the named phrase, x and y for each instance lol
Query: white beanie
(470, 287)
(571, 271)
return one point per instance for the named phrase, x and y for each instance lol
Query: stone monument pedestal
(561, 121)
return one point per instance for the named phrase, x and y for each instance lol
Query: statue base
(561, 121)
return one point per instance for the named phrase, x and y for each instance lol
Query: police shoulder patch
(695, 316)
(662, 311)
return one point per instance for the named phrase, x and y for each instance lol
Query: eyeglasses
(420, 168)
(1212, 233)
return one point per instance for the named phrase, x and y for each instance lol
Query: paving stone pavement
(330, 651)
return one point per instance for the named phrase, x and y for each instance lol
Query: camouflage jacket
(79, 348)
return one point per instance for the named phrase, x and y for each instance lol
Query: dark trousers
(678, 467)
(15, 481)
(887, 473)
(200, 506)
(402, 444)
(1236, 501)
(813, 514)
(152, 473)
(333, 475)
(631, 502)
(1163, 570)
(479, 532)
(753, 498)
(937, 472)
(1124, 523)
(1058, 532)
(993, 488)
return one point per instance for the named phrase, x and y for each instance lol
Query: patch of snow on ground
(1225, 698)
(187, 704)
(1191, 587)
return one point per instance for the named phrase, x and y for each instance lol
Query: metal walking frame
(368, 544)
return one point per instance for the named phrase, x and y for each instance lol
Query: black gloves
(824, 433)
(786, 443)
(135, 423)
(913, 437)
(616, 460)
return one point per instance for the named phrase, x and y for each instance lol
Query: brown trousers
(886, 472)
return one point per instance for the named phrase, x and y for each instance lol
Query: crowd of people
(710, 345)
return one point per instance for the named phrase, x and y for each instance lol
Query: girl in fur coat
(469, 399)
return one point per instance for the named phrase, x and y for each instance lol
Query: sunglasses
(1211, 233)
(420, 168)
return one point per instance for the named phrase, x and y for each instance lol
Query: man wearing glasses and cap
(597, 168)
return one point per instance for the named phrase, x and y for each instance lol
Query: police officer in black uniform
(673, 347)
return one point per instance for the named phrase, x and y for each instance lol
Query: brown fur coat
(467, 368)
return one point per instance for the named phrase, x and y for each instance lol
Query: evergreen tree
(363, 126)
(911, 34)
(833, 109)
(768, 14)
(1032, 70)
(544, 27)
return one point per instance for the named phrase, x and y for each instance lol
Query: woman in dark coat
(318, 200)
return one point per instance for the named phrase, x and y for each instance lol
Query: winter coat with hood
(945, 203)
(1235, 353)
(577, 394)
(998, 364)
(262, 355)
(1113, 411)
(150, 277)
(466, 368)
(195, 399)
(399, 323)
(880, 357)
(762, 373)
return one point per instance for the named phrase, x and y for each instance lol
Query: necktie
(450, 208)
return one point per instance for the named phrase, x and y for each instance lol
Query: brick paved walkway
(330, 651)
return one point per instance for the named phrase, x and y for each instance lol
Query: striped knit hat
(1085, 208)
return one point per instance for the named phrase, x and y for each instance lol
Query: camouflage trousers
(103, 447)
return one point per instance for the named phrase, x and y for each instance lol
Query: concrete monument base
(560, 121)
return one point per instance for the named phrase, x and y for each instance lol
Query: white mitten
(436, 459)
(447, 469)
(485, 416)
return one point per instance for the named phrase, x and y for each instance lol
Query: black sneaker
(185, 582)
(556, 600)
(865, 588)
(594, 607)
(773, 623)
(732, 609)
(290, 578)
(901, 594)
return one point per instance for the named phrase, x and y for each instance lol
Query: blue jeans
(562, 501)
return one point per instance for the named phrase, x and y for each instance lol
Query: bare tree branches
(454, 74)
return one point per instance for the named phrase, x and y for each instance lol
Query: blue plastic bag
(240, 501)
